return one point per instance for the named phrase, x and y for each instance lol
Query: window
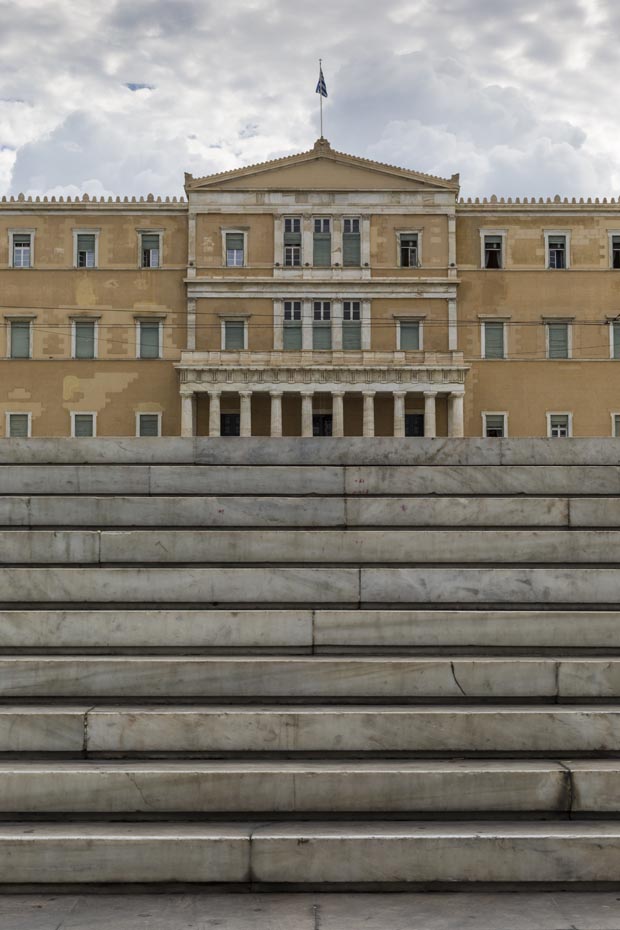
(493, 257)
(615, 425)
(292, 325)
(409, 250)
(558, 340)
(84, 339)
(234, 335)
(148, 424)
(559, 425)
(494, 425)
(235, 249)
(20, 334)
(322, 242)
(83, 424)
(18, 425)
(351, 241)
(230, 424)
(615, 251)
(615, 339)
(351, 325)
(493, 339)
(149, 250)
(292, 241)
(409, 336)
(86, 250)
(149, 339)
(322, 327)
(21, 250)
(557, 251)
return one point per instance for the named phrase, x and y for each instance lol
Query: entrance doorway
(414, 424)
(321, 424)
(230, 424)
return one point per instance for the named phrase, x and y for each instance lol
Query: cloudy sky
(521, 96)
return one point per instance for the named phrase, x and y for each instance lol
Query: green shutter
(149, 241)
(234, 241)
(86, 242)
(292, 336)
(494, 340)
(409, 336)
(20, 339)
(292, 238)
(149, 340)
(321, 336)
(233, 335)
(18, 425)
(322, 254)
(616, 340)
(148, 424)
(351, 249)
(558, 340)
(351, 335)
(83, 424)
(84, 340)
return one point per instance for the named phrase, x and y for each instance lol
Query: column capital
(274, 393)
(337, 393)
(307, 393)
(214, 392)
(457, 393)
(430, 393)
(245, 393)
(186, 390)
(368, 393)
(399, 393)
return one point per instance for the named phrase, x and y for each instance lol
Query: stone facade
(316, 294)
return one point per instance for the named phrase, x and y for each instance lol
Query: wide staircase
(296, 663)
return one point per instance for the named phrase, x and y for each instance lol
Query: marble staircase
(340, 663)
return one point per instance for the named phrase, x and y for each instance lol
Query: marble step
(321, 677)
(310, 786)
(251, 546)
(309, 852)
(315, 586)
(284, 480)
(132, 728)
(305, 629)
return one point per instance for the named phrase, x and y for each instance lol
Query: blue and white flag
(321, 87)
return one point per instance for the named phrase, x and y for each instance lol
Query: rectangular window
(409, 340)
(322, 327)
(292, 256)
(322, 242)
(22, 250)
(148, 424)
(494, 425)
(234, 250)
(351, 325)
(149, 339)
(616, 425)
(559, 425)
(20, 339)
(292, 241)
(292, 325)
(615, 251)
(493, 339)
(234, 335)
(83, 424)
(493, 257)
(409, 257)
(84, 339)
(558, 342)
(18, 425)
(149, 248)
(86, 250)
(351, 241)
(557, 251)
(615, 340)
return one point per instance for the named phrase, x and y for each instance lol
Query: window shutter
(494, 340)
(18, 425)
(234, 241)
(148, 424)
(149, 340)
(321, 336)
(292, 336)
(20, 339)
(150, 241)
(233, 335)
(84, 340)
(558, 340)
(351, 249)
(86, 242)
(616, 340)
(410, 336)
(322, 249)
(83, 424)
(351, 335)
(292, 238)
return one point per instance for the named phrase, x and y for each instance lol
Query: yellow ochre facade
(317, 294)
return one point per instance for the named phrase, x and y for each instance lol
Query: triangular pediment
(322, 168)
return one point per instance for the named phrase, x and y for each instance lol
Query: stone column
(369, 413)
(214, 413)
(430, 414)
(276, 413)
(399, 413)
(338, 413)
(245, 409)
(455, 414)
(191, 325)
(188, 414)
(306, 413)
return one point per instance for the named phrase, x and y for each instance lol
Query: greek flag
(321, 87)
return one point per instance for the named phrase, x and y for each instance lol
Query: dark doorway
(230, 424)
(414, 424)
(321, 424)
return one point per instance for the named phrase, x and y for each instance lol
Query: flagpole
(321, 97)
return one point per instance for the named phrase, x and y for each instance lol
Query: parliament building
(317, 294)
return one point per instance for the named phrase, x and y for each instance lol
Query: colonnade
(455, 412)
